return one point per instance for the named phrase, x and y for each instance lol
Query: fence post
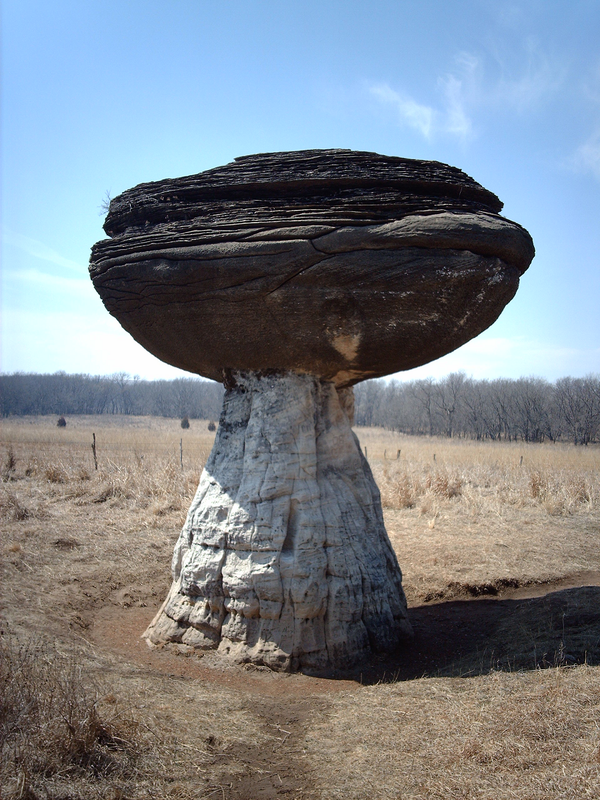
(94, 450)
(181, 452)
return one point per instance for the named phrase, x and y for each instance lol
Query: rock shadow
(463, 638)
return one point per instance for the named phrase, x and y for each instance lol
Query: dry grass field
(497, 697)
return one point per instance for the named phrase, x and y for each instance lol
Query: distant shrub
(8, 468)
(62, 422)
(56, 473)
(185, 423)
(12, 508)
(212, 426)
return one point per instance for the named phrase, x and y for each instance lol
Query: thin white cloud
(591, 86)
(451, 118)
(39, 250)
(415, 115)
(470, 85)
(587, 156)
(37, 341)
(456, 120)
(537, 78)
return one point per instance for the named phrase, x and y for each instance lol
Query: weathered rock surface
(290, 277)
(284, 559)
(330, 262)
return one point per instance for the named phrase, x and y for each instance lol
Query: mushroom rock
(290, 277)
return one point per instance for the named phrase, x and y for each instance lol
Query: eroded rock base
(284, 559)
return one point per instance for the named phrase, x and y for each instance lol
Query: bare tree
(423, 392)
(447, 397)
(531, 409)
(578, 404)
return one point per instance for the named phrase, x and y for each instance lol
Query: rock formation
(290, 277)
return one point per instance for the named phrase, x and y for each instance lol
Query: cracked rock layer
(336, 263)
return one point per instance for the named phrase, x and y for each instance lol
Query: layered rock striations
(341, 264)
(290, 277)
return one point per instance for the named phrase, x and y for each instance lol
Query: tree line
(527, 409)
(63, 394)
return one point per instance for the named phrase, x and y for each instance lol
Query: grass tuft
(11, 508)
(8, 467)
(557, 491)
(55, 725)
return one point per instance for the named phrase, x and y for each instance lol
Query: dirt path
(278, 769)
(119, 630)
(445, 631)
(286, 706)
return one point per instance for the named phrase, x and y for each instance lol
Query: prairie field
(497, 696)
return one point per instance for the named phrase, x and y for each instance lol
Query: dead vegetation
(500, 736)
(468, 514)
(60, 724)
(499, 549)
(554, 478)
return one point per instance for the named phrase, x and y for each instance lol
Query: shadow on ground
(474, 637)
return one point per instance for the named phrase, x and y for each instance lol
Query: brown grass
(59, 724)
(89, 711)
(68, 731)
(477, 513)
(500, 736)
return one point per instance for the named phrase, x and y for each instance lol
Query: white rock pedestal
(284, 559)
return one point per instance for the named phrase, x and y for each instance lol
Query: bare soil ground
(497, 696)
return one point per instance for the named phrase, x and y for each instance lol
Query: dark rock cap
(343, 264)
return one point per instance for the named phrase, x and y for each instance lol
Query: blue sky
(99, 96)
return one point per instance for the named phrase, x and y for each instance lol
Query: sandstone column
(284, 558)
